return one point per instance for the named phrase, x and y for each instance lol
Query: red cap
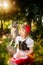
(27, 28)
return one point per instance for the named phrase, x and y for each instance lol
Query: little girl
(24, 46)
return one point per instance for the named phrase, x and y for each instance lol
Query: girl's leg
(11, 63)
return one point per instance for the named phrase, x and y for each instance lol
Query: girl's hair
(27, 28)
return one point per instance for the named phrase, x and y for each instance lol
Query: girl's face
(22, 32)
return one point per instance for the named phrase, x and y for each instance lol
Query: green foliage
(3, 53)
(38, 49)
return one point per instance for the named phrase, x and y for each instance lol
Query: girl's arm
(29, 51)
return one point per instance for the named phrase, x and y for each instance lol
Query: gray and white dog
(14, 33)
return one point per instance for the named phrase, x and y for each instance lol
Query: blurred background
(21, 11)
